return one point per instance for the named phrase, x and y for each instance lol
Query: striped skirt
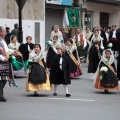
(4, 74)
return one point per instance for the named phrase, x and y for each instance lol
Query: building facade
(103, 12)
(33, 18)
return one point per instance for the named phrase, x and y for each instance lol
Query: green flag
(73, 17)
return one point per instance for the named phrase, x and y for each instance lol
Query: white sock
(66, 89)
(55, 88)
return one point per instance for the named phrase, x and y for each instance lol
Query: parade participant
(56, 32)
(95, 52)
(65, 34)
(106, 41)
(81, 43)
(114, 38)
(87, 34)
(37, 79)
(14, 44)
(106, 77)
(8, 35)
(52, 51)
(101, 31)
(18, 65)
(60, 73)
(26, 48)
(4, 64)
(72, 53)
(118, 62)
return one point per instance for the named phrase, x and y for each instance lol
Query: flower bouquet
(18, 65)
(103, 72)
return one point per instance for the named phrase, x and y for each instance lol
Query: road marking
(69, 99)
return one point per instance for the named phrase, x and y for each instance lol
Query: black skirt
(110, 79)
(37, 74)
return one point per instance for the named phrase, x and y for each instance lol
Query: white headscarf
(105, 60)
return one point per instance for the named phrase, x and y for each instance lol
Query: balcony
(113, 2)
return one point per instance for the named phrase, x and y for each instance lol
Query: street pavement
(86, 103)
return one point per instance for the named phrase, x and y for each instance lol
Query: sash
(20, 54)
(41, 63)
(88, 41)
(7, 54)
(77, 62)
(110, 68)
(74, 59)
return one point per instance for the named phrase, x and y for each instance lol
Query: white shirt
(28, 47)
(61, 60)
(114, 34)
(99, 32)
(2, 58)
(107, 35)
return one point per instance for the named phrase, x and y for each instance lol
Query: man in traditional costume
(114, 38)
(81, 43)
(4, 64)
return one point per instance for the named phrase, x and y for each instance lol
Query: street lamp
(20, 4)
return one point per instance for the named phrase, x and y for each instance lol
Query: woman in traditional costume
(37, 79)
(106, 77)
(56, 32)
(87, 35)
(95, 52)
(75, 65)
(52, 51)
(60, 73)
(17, 61)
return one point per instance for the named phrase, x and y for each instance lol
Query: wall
(52, 17)
(31, 14)
(112, 10)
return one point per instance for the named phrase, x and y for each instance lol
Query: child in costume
(106, 77)
(38, 72)
(52, 51)
(60, 73)
(72, 53)
(95, 52)
(26, 48)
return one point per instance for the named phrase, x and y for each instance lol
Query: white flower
(30, 61)
(50, 43)
(102, 47)
(13, 56)
(110, 45)
(103, 69)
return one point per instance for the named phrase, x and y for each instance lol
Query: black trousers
(2, 85)
(80, 51)
(115, 46)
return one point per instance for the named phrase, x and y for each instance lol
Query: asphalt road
(86, 103)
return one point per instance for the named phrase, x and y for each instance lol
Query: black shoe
(107, 91)
(2, 99)
(68, 95)
(36, 95)
(55, 94)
